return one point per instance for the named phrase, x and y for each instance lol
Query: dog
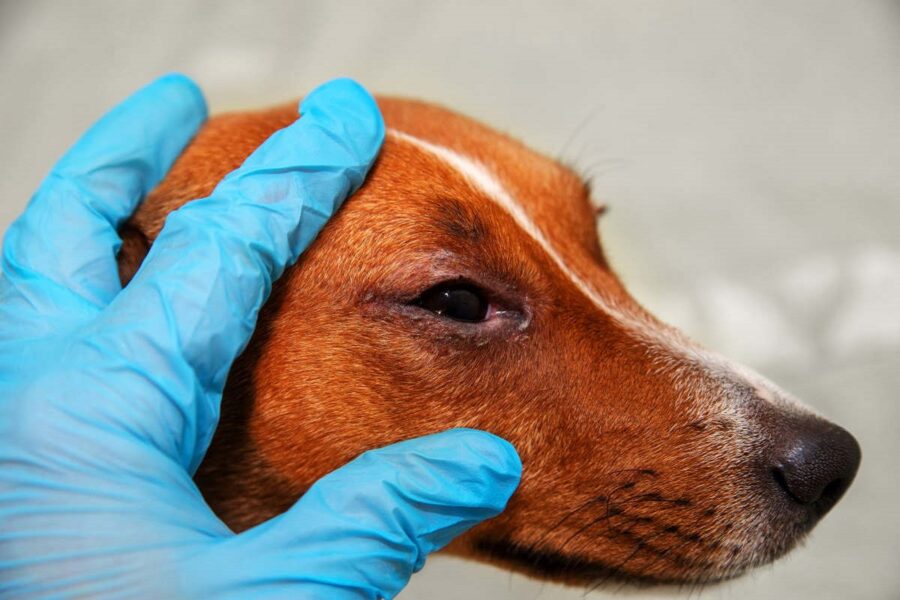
(465, 285)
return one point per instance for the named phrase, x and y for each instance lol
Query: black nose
(814, 462)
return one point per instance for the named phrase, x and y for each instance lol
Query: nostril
(833, 492)
(780, 479)
(817, 464)
(804, 494)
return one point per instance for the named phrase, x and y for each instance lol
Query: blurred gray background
(750, 153)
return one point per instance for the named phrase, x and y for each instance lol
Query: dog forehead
(495, 164)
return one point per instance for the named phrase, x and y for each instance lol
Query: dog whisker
(601, 498)
(657, 497)
(640, 545)
(676, 531)
(599, 519)
(581, 128)
(663, 554)
(568, 515)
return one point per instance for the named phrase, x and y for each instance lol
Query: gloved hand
(109, 396)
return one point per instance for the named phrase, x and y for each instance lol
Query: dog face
(465, 286)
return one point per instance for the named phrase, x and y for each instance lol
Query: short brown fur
(636, 462)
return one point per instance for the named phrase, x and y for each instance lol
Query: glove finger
(363, 530)
(65, 243)
(192, 306)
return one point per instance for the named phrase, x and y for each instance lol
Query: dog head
(465, 286)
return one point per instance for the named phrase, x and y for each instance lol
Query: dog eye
(456, 301)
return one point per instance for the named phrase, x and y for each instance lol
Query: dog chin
(581, 571)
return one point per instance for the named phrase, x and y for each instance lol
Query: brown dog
(464, 286)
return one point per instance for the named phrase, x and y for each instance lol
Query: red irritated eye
(456, 301)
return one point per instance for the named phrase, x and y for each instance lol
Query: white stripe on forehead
(671, 346)
(483, 180)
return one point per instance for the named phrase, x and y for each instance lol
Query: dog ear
(134, 248)
(220, 147)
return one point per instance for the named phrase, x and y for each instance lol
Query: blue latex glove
(109, 396)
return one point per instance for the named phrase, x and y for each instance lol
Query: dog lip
(575, 568)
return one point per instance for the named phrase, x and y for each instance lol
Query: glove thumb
(363, 530)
